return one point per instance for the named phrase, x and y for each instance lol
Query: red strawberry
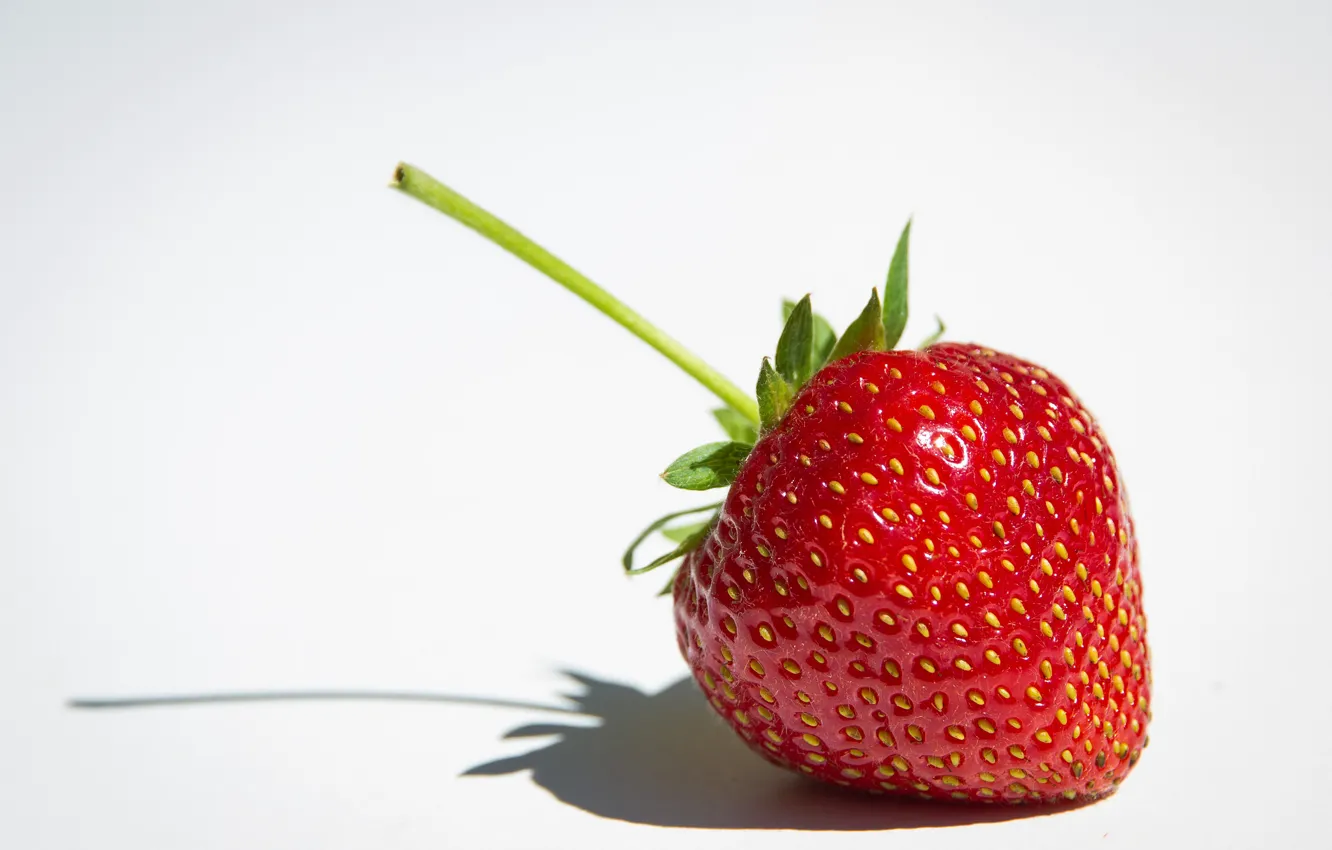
(924, 578)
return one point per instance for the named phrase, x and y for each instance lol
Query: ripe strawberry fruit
(923, 579)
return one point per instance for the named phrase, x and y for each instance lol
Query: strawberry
(923, 579)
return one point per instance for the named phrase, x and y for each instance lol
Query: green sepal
(681, 533)
(686, 546)
(936, 336)
(895, 291)
(865, 333)
(708, 466)
(736, 425)
(824, 336)
(795, 349)
(824, 340)
(774, 397)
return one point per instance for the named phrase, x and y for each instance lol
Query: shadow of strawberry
(663, 759)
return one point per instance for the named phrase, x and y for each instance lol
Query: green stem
(415, 183)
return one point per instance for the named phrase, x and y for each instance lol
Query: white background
(266, 425)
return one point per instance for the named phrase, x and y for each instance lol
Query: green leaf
(708, 466)
(937, 335)
(895, 291)
(681, 533)
(796, 346)
(670, 585)
(824, 336)
(736, 425)
(628, 559)
(865, 333)
(774, 397)
(824, 340)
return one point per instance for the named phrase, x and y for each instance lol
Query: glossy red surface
(925, 581)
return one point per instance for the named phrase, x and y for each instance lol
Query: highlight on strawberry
(923, 578)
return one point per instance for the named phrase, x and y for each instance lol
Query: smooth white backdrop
(266, 425)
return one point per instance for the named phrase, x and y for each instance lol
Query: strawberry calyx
(807, 344)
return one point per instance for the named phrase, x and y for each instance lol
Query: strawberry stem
(417, 184)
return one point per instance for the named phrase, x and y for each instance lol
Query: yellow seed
(976, 541)
(895, 465)
(969, 433)
(915, 733)
(1046, 630)
(1033, 461)
(890, 515)
(868, 478)
(1017, 606)
(794, 669)
(985, 579)
(985, 475)
(928, 666)
(923, 628)
(925, 411)
(991, 656)
(903, 590)
(1020, 647)
(860, 575)
(962, 590)
(976, 408)
(872, 388)
(1044, 432)
(909, 562)
(893, 424)
(1017, 752)
(972, 502)
(844, 407)
(998, 529)
(1047, 670)
(999, 457)
(1057, 474)
(825, 520)
(1071, 691)
(855, 438)
(1061, 551)
(1081, 570)
(814, 556)
(809, 720)
(836, 487)
(756, 666)
(937, 387)
(1016, 411)
(864, 534)
(962, 664)
(1013, 506)
(1028, 487)
(1009, 435)
(932, 475)
(992, 619)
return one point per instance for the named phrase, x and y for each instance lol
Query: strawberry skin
(924, 580)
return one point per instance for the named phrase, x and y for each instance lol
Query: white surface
(266, 425)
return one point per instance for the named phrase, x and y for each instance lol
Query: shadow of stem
(662, 759)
